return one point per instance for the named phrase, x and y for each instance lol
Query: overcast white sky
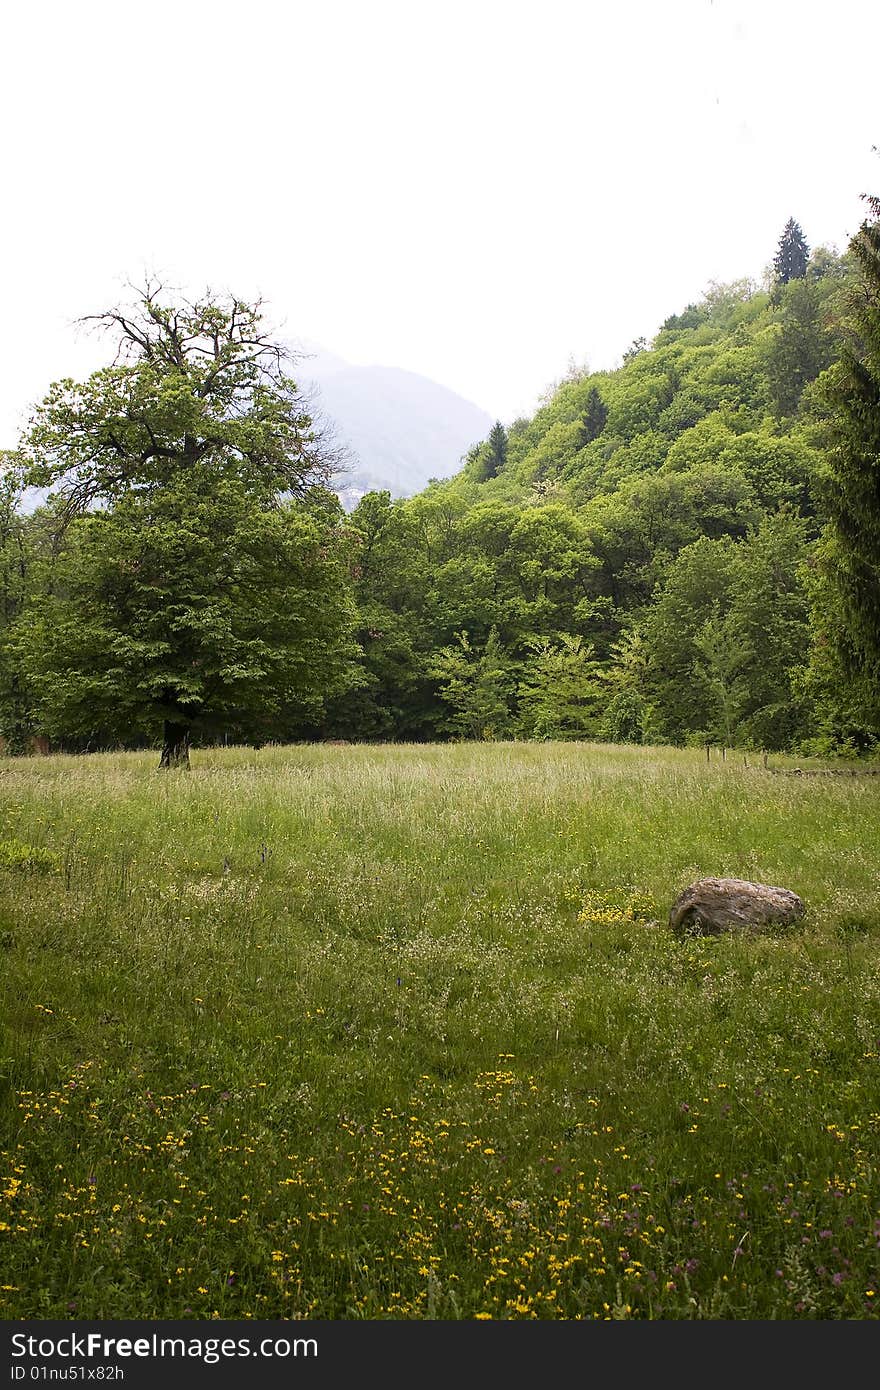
(470, 189)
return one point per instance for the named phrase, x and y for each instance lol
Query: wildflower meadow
(400, 1032)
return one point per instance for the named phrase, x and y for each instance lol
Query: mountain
(401, 429)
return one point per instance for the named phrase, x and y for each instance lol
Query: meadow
(341, 1032)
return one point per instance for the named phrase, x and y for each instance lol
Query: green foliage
(200, 581)
(671, 502)
(792, 254)
(194, 605)
(15, 855)
(850, 484)
(727, 635)
(768, 622)
(488, 459)
(197, 383)
(716, 666)
(627, 718)
(802, 347)
(497, 442)
(17, 722)
(842, 700)
(298, 1028)
(558, 692)
(691, 317)
(593, 419)
(628, 715)
(707, 435)
(696, 590)
(476, 687)
(637, 346)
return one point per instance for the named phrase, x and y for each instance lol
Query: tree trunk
(175, 748)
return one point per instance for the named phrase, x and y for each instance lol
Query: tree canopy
(792, 254)
(190, 384)
(850, 482)
(682, 549)
(201, 576)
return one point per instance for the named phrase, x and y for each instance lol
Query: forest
(684, 550)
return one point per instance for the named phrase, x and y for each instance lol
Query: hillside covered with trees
(648, 557)
(683, 550)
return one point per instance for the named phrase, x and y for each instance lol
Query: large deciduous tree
(188, 609)
(201, 574)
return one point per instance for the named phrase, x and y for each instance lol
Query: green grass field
(400, 1032)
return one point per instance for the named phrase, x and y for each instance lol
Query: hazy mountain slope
(402, 429)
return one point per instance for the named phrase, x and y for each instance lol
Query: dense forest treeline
(659, 554)
(641, 560)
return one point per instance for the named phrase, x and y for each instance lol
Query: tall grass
(400, 1032)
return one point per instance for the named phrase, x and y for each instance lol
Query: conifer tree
(497, 450)
(593, 419)
(851, 485)
(801, 349)
(792, 255)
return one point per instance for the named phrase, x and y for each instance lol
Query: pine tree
(487, 460)
(851, 486)
(593, 419)
(801, 349)
(792, 255)
(497, 449)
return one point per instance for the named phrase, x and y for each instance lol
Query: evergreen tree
(497, 450)
(801, 348)
(851, 484)
(487, 460)
(792, 255)
(593, 419)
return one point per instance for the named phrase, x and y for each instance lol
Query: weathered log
(715, 905)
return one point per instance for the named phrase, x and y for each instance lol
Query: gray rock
(715, 905)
